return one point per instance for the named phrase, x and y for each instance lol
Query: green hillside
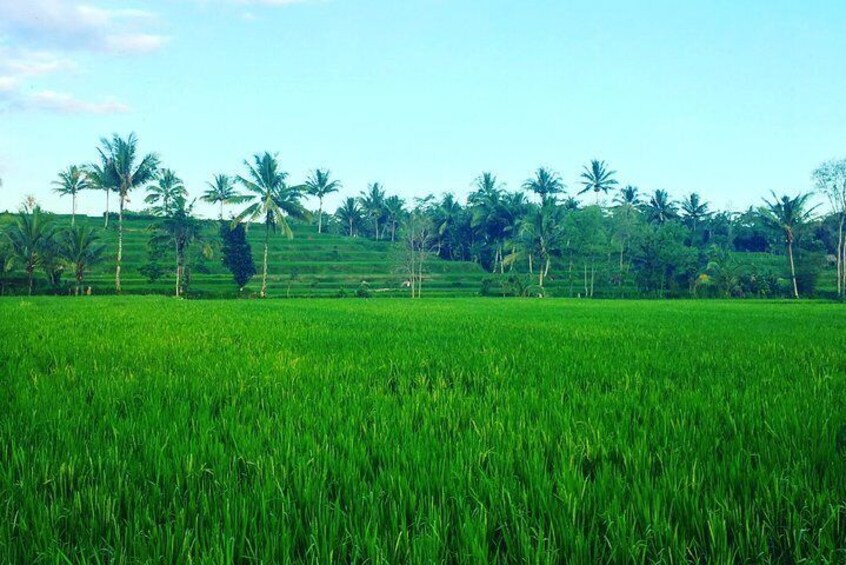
(315, 265)
(310, 265)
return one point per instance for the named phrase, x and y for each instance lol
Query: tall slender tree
(181, 230)
(660, 209)
(102, 176)
(830, 180)
(628, 201)
(597, 178)
(130, 172)
(546, 184)
(694, 210)
(320, 185)
(31, 237)
(373, 204)
(394, 213)
(349, 215)
(788, 215)
(221, 190)
(71, 182)
(542, 236)
(164, 195)
(81, 249)
(271, 200)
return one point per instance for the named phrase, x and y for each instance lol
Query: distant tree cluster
(616, 236)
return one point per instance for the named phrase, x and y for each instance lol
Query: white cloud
(40, 38)
(65, 103)
(76, 26)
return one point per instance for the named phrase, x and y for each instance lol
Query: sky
(727, 98)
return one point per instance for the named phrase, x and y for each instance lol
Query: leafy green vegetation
(534, 242)
(145, 428)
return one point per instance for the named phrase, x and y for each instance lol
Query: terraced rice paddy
(150, 429)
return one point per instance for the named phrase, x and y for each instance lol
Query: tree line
(526, 237)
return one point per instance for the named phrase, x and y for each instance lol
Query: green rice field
(149, 429)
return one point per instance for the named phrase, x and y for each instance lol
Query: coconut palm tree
(373, 205)
(7, 265)
(80, 247)
(130, 172)
(394, 212)
(320, 186)
(350, 215)
(546, 184)
(660, 209)
(222, 191)
(597, 178)
(180, 229)
(694, 210)
(487, 183)
(628, 197)
(271, 200)
(102, 176)
(164, 194)
(788, 215)
(628, 201)
(541, 235)
(31, 237)
(72, 181)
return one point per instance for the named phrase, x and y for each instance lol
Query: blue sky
(727, 98)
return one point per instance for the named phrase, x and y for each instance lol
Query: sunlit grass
(135, 429)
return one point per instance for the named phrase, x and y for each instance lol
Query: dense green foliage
(537, 241)
(401, 431)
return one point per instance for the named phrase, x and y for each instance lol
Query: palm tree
(222, 191)
(628, 197)
(71, 182)
(31, 236)
(164, 195)
(320, 186)
(373, 204)
(102, 176)
(272, 201)
(487, 183)
(628, 201)
(788, 215)
(660, 209)
(597, 178)
(7, 265)
(694, 210)
(350, 215)
(394, 212)
(445, 216)
(546, 184)
(121, 155)
(81, 249)
(541, 234)
(180, 229)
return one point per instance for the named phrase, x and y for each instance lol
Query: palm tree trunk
(792, 269)
(73, 209)
(320, 216)
(106, 225)
(221, 209)
(120, 245)
(264, 267)
(29, 272)
(177, 268)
